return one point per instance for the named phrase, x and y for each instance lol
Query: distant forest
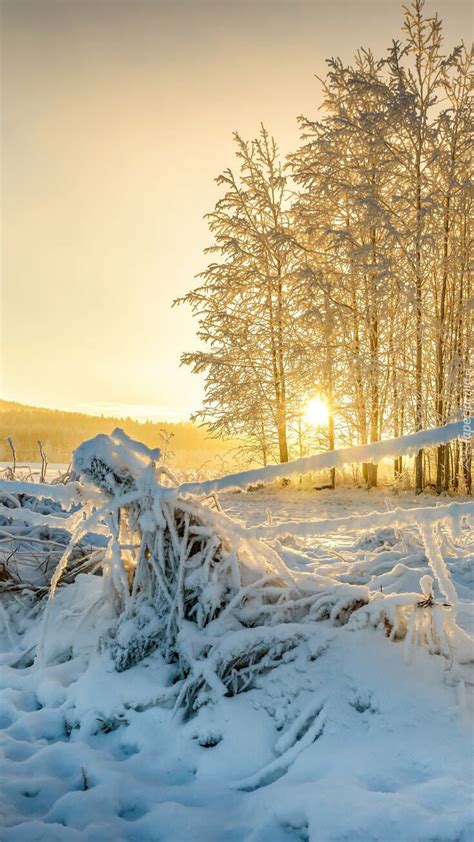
(61, 432)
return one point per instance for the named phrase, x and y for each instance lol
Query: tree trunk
(282, 439)
(440, 350)
(419, 329)
(466, 455)
(282, 420)
(278, 370)
(359, 388)
(331, 442)
(397, 462)
(330, 384)
(374, 365)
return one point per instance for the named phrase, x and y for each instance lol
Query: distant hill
(61, 432)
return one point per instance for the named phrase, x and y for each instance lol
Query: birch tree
(244, 303)
(357, 283)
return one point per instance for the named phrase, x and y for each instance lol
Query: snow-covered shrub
(221, 608)
(379, 538)
(33, 537)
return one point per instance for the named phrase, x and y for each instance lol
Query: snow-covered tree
(245, 303)
(347, 272)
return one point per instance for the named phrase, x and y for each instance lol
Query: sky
(116, 117)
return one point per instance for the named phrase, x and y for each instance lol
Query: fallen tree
(216, 599)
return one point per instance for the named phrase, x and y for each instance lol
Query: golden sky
(116, 117)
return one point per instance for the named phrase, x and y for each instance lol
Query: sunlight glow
(317, 412)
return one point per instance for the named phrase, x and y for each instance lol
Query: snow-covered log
(397, 518)
(73, 493)
(408, 445)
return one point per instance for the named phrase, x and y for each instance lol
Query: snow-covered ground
(307, 504)
(348, 741)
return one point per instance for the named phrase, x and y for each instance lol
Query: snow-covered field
(347, 740)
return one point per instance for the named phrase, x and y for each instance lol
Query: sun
(317, 412)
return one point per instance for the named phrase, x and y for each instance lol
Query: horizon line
(141, 413)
